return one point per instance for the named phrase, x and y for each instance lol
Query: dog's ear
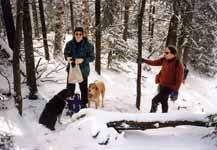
(94, 85)
(69, 94)
(97, 88)
(65, 93)
(91, 84)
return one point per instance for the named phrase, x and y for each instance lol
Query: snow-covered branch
(9, 51)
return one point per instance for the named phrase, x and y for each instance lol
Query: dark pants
(161, 97)
(83, 88)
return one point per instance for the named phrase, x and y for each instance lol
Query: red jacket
(171, 73)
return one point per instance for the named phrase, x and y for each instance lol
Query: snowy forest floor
(197, 95)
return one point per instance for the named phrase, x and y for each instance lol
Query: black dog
(53, 109)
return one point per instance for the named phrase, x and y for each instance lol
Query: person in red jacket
(169, 78)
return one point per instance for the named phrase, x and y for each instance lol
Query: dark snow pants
(84, 91)
(161, 97)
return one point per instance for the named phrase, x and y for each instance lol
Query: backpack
(186, 70)
(74, 104)
(174, 94)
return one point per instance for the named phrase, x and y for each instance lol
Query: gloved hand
(174, 95)
(69, 59)
(140, 61)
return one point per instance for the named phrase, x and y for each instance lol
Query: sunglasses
(78, 34)
(166, 53)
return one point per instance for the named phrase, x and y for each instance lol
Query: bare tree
(126, 19)
(98, 37)
(187, 23)
(151, 24)
(44, 30)
(72, 15)
(16, 56)
(59, 29)
(8, 21)
(29, 54)
(86, 17)
(35, 18)
(140, 21)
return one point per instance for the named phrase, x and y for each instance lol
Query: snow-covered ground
(197, 95)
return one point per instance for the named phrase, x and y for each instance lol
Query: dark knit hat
(172, 50)
(79, 29)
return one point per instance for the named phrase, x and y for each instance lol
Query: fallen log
(134, 125)
(104, 122)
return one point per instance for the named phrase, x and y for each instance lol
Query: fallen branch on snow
(134, 125)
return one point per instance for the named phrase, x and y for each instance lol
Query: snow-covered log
(104, 123)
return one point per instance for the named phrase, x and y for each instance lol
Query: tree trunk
(126, 19)
(186, 52)
(98, 37)
(72, 15)
(50, 14)
(188, 20)
(77, 13)
(8, 21)
(140, 21)
(29, 54)
(35, 18)
(185, 38)
(180, 42)
(86, 17)
(172, 32)
(59, 29)
(44, 30)
(151, 25)
(16, 56)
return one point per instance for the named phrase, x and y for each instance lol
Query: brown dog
(94, 91)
